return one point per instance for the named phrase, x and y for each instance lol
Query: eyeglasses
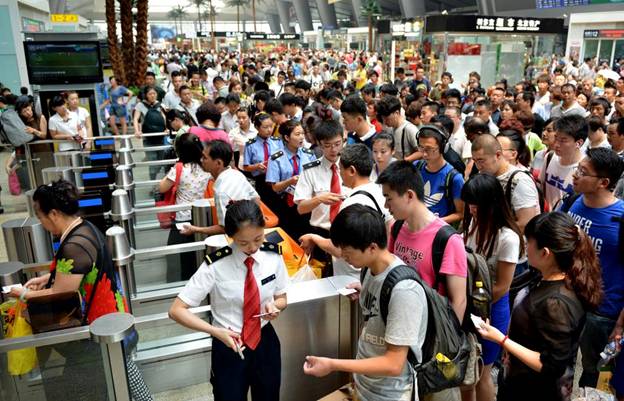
(427, 150)
(335, 145)
(580, 172)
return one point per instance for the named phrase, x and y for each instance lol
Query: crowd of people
(365, 173)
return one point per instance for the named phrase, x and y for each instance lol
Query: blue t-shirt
(435, 189)
(604, 234)
(353, 138)
(117, 93)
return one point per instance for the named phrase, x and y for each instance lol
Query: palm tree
(370, 9)
(175, 14)
(113, 47)
(141, 49)
(238, 4)
(127, 38)
(199, 4)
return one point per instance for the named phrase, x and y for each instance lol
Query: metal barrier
(317, 321)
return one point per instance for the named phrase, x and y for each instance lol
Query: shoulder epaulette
(252, 140)
(271, 247)
(275, 138)
(218, 254)
(277, 154)
(312, 164)
(306, 150)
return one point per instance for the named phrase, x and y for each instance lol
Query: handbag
(14, 184)
(55, 312)
(166, 218)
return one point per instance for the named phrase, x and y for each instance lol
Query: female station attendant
(247, 285)
(283, 173)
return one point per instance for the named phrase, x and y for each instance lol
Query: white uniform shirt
(69, 125)
(224, 280)
(316, 180)
(231, 185)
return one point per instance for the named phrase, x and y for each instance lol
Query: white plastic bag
(305, 273)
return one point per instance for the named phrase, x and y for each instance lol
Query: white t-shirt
(69, 125)
(557, 181)
(83, 116)
(523, 191)
(193, 182)
(506, 247)
(341, 267)
(231, 185)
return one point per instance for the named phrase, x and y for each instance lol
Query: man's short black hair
(274, 106)
(219, 150)
(454, 93)
(528, 96)
(150, 74)
(232, 98)
(574, 126)
(354, 104)
(476, 126)
(368, 89)
(328, 130)
(358, 226)
(219, 99)
(601, 101)
(434, 106)
(301, 84)
(387, 106)
(607, 164)
(359, 156)
(402, 176)
(389, 89)
(483, 103)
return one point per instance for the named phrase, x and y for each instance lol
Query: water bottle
(610, 351)
(480, 301)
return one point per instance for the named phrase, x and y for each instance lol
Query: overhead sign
(603, 33)
(571, 3)
(64, 18)
(494, 24)
(272, 36)
(207, 34)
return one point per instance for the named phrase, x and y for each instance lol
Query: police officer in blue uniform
(247, 282)
(283, 173)
(258, 151)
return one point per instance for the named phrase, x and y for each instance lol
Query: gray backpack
(13, 129)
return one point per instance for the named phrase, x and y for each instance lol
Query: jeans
(593, 339)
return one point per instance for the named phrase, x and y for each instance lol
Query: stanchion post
(201, 216)
(122, 213)
(123, 256)
(110, 331)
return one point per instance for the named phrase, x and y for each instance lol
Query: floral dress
(83, 252)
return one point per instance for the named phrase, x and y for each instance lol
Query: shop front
(596, 35)
(495, 47)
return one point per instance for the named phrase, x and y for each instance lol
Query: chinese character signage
(272, 36)
(603, 33)
(479, 23)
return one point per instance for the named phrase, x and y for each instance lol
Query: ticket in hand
(347, 291)
(477, 321)
(7, 288)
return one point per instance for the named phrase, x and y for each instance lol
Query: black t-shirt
(548, 320)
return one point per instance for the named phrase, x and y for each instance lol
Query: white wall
(581, 22)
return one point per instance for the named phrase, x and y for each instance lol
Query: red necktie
(290, 199)
(335, 188)
(251, 307)
(266, 150)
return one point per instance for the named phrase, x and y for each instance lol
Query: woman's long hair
(574, 254)
(493, 212)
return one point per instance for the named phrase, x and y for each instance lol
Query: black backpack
(478, 268)
(540, 193)
(454, 160)
(153, 120)
(448, 183)
(444, 335)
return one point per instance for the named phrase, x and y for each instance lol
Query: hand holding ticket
(7, 288)
(477, 321)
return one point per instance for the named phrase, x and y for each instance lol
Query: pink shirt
(415, 250)
(210, 134)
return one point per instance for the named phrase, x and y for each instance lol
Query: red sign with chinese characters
(464, 49)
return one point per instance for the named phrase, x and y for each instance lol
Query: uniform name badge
(291, 190)
(268, 279)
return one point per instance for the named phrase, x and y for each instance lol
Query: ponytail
(584, 276)
(574, 254)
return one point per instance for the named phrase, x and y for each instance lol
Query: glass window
(591, 48)
(619, 50)
(606, 47)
